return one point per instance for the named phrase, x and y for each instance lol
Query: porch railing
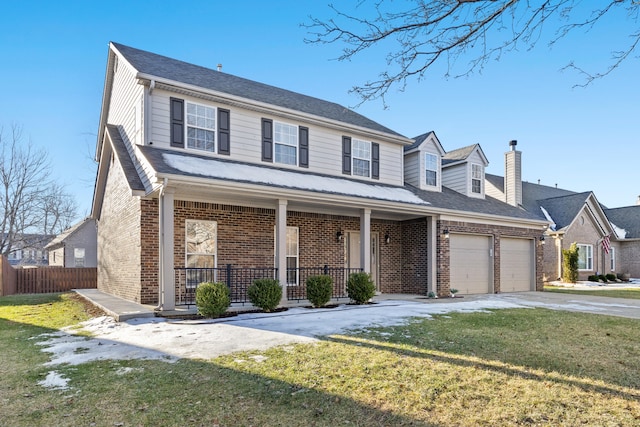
(297, 278)
(237, 279)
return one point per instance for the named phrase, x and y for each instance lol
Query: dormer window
(431, 169)
(476, 178)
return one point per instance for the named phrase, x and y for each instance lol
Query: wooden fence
(42, 280)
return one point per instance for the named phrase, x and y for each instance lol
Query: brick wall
(583, 231)
(119, 239)
(414, 256)
(629, 258)
(246, 238)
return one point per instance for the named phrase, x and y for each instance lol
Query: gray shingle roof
(417, 141)
(184, 72)
(129, 169)
(458, 154)
(564, 209)
(627, 217)
(60, 238)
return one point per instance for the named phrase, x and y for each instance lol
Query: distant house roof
(564, 209)
(183, 72)
(627, 218)
(60, 238)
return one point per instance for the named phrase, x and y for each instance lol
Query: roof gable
(62, 237)
(627, 218)
(460, 155)
(163, 67)
(426, 138)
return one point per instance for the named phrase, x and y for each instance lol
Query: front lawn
(630, 293)
(505, 367)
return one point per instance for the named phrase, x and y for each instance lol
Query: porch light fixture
(542, 239)
(446, 233)
(339, 236)
(387, 238)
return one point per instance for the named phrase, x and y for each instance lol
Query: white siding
(125, 96)
(325, 144)
(455, 177)
(493, 191)
(412, 168)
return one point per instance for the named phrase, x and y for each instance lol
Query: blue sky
(54, 58)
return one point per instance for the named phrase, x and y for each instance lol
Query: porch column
(365, 240)
(432, 255)
(281, 247)
(167, 278)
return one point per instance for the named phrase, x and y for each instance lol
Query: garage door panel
(469, 263)
(516, 265)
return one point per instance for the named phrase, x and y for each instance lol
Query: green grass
(629, 293)
(505, 367)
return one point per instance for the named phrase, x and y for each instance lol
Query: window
(612, 253)
(291, 254)
(200, 244)
(361, 157)
(285, 138)
(585, 257)
(431, 166)
(476, 178)
(78, 256)
(201, 127)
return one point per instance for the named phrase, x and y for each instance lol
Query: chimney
(638, 201)
(219, 67)
(513, 175)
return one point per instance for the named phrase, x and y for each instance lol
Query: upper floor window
(585, 257)
(201, 127)
(361, 157)
(476, 178)
(285, 139)
(431, 167)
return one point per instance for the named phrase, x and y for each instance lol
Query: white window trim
(589, 259)
(436, 170)
(215, 242)
(354, 157)
(297, 255)
(612, 262)
(276, 142)
(187, 126)
(481, 179)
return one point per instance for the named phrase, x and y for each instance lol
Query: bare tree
(425, 33)
(31, 203)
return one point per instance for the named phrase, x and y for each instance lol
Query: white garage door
(470, 264)
(516, 265)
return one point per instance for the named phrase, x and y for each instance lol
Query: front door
(352, 243)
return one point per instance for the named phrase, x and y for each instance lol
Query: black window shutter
(267, 140)
(346, 155)
(375, 160)
(177, 122)
(303, 147)
(224, 132)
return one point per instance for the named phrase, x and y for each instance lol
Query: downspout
(161, 248)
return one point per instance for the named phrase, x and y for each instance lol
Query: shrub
(212, 299)
(603, 278)
(570, 264)
(432, 294)
(319, 290)
(265, 294)
(593, 278)
(611, 277)
(360, 287)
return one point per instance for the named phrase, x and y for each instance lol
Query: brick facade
(414, 250)
(119, 243)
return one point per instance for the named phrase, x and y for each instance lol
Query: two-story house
(208, 176)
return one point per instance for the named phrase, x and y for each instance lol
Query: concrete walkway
(122, 310)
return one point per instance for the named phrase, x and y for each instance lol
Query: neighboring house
(29, 250)
(574, 217)
(205, 175)
(76, 246)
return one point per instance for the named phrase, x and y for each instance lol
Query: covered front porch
(236, 241)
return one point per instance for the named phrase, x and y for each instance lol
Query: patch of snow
(548, 217)
(620, 232)
(260, 175)
(55, 381)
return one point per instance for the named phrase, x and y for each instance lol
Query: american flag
(606, 243)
